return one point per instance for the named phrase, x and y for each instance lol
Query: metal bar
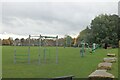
(49, 54)
(45, 36)
(57, 50)
(35, 36)
(21, 59)
(44, 55)
(15, 56)
(29, 51)
(49, 36)
(21, 55)
(39, 50)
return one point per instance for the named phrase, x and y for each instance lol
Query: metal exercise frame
(39, 44)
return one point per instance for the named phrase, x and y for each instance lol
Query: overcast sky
(51, 18)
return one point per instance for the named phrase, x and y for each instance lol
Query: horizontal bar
(49, 36)
(34, 36)
(44, 36)
(21, 59)
(21, 55)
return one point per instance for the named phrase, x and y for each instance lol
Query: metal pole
(45, 51)
(66, 42)
(29, 51)
(15, 56)
(14, 52)
(57, 50)
(49, 54)
(44, 55)
(39, 49)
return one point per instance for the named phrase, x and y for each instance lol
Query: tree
(103, 29)
(16, 41)
(68, 40)
(10, 40)
(22, 41)
(5, 42)
(0, 42)
(85, 35)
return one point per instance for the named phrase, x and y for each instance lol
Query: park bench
(63, 78)
(101, 75)
(105, 65)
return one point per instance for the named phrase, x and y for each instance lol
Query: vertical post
(39, 50)
(44, 55)
(15, 56)
(94, 47)
(49, 53)
(66, 43)
(56, 49)
(15, 52)
(83, 49)
(70, 41)
(45, 51)
(29, 51)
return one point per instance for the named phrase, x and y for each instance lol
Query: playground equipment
(39, 45)
(94, 47)
(82, 50)
(45, 43)
(68, 41)
(24, 56)
(86, 45)
(83, 47)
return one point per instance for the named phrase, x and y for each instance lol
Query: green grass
(0, 61)
(70, 63)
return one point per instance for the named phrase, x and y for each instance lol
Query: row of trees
(66, 41)
(103, 29)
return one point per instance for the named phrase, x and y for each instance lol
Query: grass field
(70, 63)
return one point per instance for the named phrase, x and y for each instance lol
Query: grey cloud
(52, 17)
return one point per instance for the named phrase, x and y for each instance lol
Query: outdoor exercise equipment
(83, 46)
(82, 50)
(44, 38)
(68, 42)
(24, 56)
(39, 45)
(94, 47)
